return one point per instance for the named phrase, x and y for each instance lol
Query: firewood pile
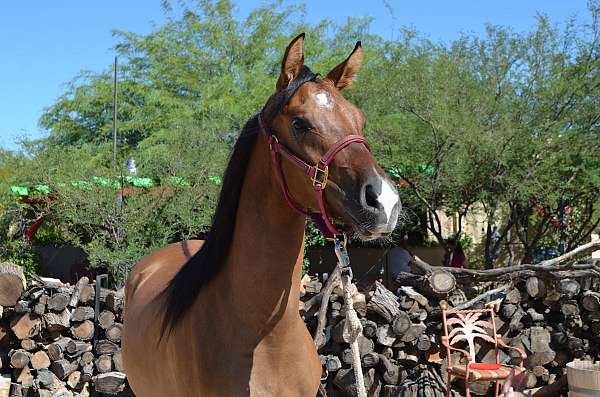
(551, 310)
(54, 343)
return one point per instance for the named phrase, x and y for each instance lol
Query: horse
(220, 317)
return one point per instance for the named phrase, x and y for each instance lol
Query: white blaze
(388, 198)
(323, 100)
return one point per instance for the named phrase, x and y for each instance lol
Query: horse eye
(300, 125)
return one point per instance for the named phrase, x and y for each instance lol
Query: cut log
(106, 319)
(108, 347)
(45, 377)
(39, 309)
(73, 379)
(339, 334)
(104, 364)
(24, 377)
(83, 330)
(413, 333)
(12, 281)
(540, 358)
(552, 297)
(59, 301)
(576, 346)
(515, 321)
(19, 358)
(513, 296)
(423, 343)
(359, 302)
(384, 303)
(590, 300)
(389, 370)
(406, 359)
(87, 295)
(118, 361)
(86, 358)
(569, 308)
(414, 295)
(112, 302)
(57, 349)
(535, 316)
(369, 360)
(62, 368)
(537, 339)
(109, 383)
(441, 282)
(83, 281)
(58, 321)
(385, 335)
(28, 344)
(508, 310)
(75, 348)
(401, 323)
(365, 345)
(40, 360)
(26, 325)
(541, 373)
(568, 288)
(536, 287)
(82, 313)
(22, 307)
(87, 371)
(320, 335)
(369, 328)
(16, 389)
(393, 391)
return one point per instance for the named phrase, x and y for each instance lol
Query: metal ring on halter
(341, 252)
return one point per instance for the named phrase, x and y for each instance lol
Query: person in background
(458, 255)
(399, 259)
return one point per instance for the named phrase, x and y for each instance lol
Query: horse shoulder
(159, 267)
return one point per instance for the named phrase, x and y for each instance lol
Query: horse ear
(292, 63)
(345, 73)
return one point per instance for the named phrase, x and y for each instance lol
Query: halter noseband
(318, 174)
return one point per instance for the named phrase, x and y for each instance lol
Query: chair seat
(484, 371)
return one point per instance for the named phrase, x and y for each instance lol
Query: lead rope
(352, 327)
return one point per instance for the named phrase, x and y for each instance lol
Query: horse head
(312, 120)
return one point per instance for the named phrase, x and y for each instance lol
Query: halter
(318, 174)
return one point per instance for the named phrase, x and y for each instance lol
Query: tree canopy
(508, 121)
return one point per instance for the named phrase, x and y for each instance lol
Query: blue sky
(45, 44)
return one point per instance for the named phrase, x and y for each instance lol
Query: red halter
(318, 174)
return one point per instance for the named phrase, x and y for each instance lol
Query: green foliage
(508, 121)
(20, 254)
(312, 238)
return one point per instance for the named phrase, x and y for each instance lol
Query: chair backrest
(468, 325)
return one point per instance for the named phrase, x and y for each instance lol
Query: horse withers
(220, 317)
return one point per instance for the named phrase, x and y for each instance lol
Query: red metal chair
(466, 326)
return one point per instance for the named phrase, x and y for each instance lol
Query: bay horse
(220, 317)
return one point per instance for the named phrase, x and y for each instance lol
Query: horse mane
(201, 268)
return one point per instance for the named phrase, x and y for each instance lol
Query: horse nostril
(371, 197)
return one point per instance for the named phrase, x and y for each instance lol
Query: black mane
(200, 269)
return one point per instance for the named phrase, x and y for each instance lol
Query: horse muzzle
(374, 213)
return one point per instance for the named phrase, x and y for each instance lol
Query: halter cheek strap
(318, 174)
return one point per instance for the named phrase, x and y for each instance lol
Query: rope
(352, 327)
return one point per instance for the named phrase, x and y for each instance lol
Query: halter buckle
(321, 176)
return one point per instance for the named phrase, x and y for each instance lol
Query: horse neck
(263, 269)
